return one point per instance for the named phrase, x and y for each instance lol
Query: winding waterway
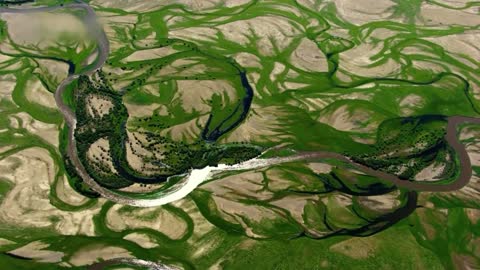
(196, 177)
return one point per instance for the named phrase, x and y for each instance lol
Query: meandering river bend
(196, 177)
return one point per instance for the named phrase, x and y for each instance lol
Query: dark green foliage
(407, 145)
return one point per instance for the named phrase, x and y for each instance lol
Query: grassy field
(190, 84)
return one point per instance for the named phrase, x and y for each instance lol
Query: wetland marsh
(234, 134)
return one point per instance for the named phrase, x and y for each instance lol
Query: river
(196, 177)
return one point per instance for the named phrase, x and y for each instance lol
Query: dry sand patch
(194, 95)
(431, 173)
(94, 253)
(142, 55)
(67, 194)
(36, 92)
(308, 56)
(248, 184)
(48, 132)
(345, 119)
(137, 154)
(28, 204)
(360, 12)
(381, 203)
(437, 15)
(409, 103)
(8, 83)
(248, 60)
(358, 60)
(38, 252)
(99, 152)
(5, 242)
(320, 167)
(142, 110)
(465, 44)
(295, 205)
(98, 105)
(273, 32)
(144, 6)
(141, 239)
(261, 125)
(56, 70)
(188, 132)
(155, 218)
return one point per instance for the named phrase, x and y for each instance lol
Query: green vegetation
(179, 157)
(405, 146)
(187, 86)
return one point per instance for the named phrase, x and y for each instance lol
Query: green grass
(289, 242)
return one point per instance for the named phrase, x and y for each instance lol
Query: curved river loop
(197, 176)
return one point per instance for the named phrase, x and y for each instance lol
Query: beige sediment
(194, 34)
(141, 239)
(248, 60)
(141, 110)
(436, 15)
(113, 21)
(273, 32)
(48, 132)
(142, 6)
(99, 151)
(5, 242)
(360, 12)
(27, 204)
(55, 70)
(187, 132)
(141, 188)
(204, 245)
(261, 125)
(277, 69)
(460, 46)
(201, 227)
(277, 180)
(137, 154)
(38, 251)
(473, 215)
(234, 212)
(320, 167)
(192, 68)
(295, 204)
(385, 203)
(294, 85)
(347, 119)
(358, 61)
(309, 57)
(4, 149)
(8, 83)
(94, 253)
(409, 103)
(248, 184)
(98, 105)
(194, 95)
(67, 194)
(142, 55)
(156, 218)
(432, 172)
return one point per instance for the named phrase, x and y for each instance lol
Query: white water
(198, 176)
